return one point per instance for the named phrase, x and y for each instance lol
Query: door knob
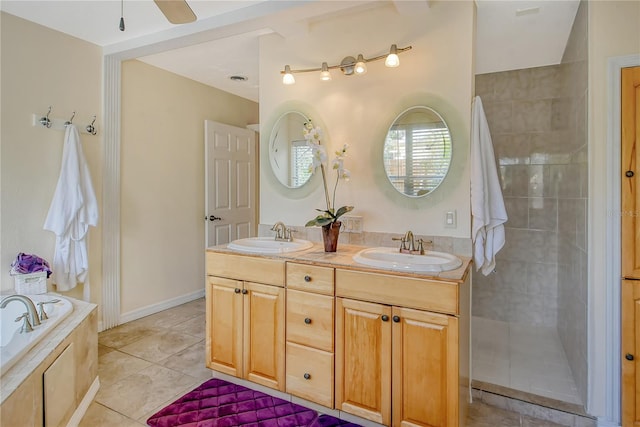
(396, 318)
(307, 376)
(385, 318)
(214, 218)
(629, 174)
(237, 290)
(307, 320)
(245, 291)
(628, 356)
(307, 278)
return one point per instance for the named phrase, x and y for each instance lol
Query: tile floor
(522, 357)
(146, 364)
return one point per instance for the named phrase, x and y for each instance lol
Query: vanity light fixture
(392, 60)
(288, 78)
(361, 66)
(325, 74)
(349, 65)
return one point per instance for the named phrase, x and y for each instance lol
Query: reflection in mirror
(289, 155)
(417, 151)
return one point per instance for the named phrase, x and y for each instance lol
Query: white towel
(73, 209)
(487, 206)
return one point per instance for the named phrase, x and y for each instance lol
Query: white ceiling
(504, 40)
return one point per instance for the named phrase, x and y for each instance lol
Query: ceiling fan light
(288, 78)
(325, 75)
(361, 66)
(392, 59)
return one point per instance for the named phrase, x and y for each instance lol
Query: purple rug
(222, 404)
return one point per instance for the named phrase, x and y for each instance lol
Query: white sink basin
(268, 245)
(391, 258)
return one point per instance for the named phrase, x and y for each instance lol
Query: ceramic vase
(330, 234)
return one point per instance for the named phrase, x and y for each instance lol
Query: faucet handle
(287, 233)
(402, 242)
(26, 325)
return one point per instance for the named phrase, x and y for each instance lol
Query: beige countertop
(343, 258)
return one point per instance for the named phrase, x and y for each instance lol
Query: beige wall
(613, 31)
(42, 67)
(162, 175)
(358, 110)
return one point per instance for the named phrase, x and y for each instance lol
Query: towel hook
(70, 121)
(46, 121)
(91, 128)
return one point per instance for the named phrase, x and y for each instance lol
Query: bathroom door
(230, 160)
(630, 238)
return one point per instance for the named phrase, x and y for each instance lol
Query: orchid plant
(313, 135)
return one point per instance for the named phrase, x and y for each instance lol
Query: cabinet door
(224, 325)
(264, 345)
(630, 352)
(630, 156)
(425, 369)
(363, 359)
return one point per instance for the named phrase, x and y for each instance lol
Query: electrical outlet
(352, 223)
(450, 219)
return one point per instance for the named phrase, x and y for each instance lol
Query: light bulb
(288, 77)
(325, 75)
(392, 59)
(361, 67)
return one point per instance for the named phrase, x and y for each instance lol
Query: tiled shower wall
(521, 107)
(538, 122)
(572, 205)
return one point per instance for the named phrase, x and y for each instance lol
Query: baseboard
(164, 305)
(81, 410)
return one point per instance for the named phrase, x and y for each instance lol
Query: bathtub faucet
(31, 309)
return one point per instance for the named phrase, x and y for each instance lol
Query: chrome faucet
(409, 239)
(31, 309)
(282, 232)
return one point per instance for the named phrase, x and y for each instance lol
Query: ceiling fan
(176, 11)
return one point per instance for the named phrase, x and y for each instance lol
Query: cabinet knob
(628, 356)
(396, 318)
(244, 292)
(236, 290)
(307, 278)
(307, 320)
(307, 376)
(385, 318)
(629, 174)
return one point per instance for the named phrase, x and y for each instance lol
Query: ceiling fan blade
(176, 11)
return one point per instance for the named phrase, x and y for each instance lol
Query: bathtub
(13, 344)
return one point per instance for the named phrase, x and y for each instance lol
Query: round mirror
(417, 151)
(289, 155)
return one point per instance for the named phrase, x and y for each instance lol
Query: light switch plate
(351, 224)
(450, 220)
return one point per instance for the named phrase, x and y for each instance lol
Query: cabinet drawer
(310, 278)
(248, 268)
(423, 294)
(310, 374)
(310, 319)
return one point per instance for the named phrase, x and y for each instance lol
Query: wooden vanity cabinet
(415, 353)
(310, 332)
(245, 321)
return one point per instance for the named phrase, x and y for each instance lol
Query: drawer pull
(629, 356)
(385, 318)
(237, 290)
(307, 278)
(396, 319)
(307, 320)
(307, 376)
(245, 291)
